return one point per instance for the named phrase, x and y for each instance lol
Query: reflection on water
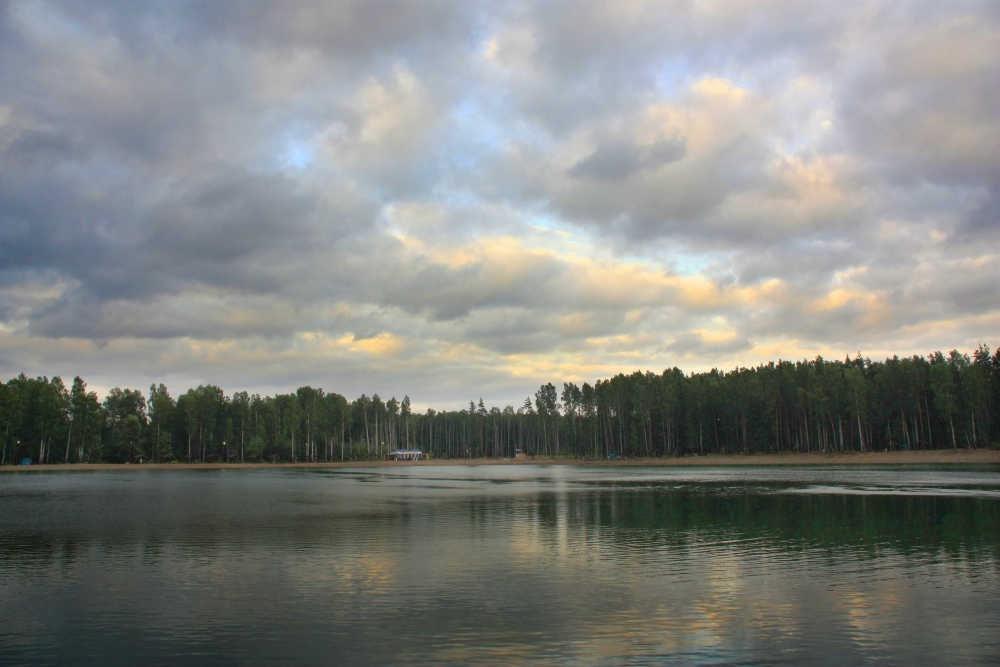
(502, 565)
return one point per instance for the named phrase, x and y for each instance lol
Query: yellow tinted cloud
(384, 344)
(719, 88)
(840, 297)
(586, 282)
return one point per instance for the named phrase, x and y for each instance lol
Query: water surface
(502, 565)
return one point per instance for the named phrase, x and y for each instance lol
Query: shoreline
(923, 457)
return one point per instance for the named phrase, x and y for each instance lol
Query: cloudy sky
(462, 199)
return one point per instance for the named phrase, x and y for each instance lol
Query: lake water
(502, 565)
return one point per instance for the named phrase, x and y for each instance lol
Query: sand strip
(926, 457)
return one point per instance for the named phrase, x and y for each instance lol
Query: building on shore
(407, 455)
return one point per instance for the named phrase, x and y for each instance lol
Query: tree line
(933, 402)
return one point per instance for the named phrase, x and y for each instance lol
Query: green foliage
(125, 421)
(817, 405)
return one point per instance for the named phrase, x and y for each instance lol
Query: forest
(935, 402)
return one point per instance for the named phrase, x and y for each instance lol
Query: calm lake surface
(502, 565)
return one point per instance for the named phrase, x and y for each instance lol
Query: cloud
(675, 164)
(695, 343)
(377, 196)
(388, 136)
(616, 161)
(926, 109)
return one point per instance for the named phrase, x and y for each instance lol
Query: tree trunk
(861, 433)
(69, 437)
(930, 433)
(368, 441)
(746, 442)
(805, 417)
(715, 427)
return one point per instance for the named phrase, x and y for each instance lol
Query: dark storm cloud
(985, 217)
(222, 229)
(121, 245)
(446, 293)
(694, 343)
(46, 224)
(34, 148)
(512, 331)
(348, 28)
(615, 161)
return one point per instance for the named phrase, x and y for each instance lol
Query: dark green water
(502, 565)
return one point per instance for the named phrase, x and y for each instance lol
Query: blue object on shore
(26, 461)
(611, 455)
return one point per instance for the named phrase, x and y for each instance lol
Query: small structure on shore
(407, 455)
(519, 455)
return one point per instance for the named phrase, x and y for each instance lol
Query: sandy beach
(928, 457)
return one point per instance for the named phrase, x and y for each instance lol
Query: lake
(503, 565)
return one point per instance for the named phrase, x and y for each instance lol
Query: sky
(455, 200)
